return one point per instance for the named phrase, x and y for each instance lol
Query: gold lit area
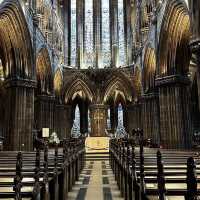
(99, 99)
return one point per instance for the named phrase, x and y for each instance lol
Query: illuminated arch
(118, 88)
(15, 42)
(149, 69)
(78, 88)
(44, 72)
(173, 49)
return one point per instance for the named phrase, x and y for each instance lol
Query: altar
(97, 144)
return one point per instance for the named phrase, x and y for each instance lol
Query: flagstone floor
(96, 182)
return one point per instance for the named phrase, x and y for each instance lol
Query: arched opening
(120, 131)
(79, 94)
(80, 116)
(118, 92)
(16, 68)
(174, 51)
(172, 76)
(75, 132)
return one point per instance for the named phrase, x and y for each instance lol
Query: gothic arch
(173, 50)
(149, 69)
(118, 87)
(15, 42)
(44, 72)
(77, 88)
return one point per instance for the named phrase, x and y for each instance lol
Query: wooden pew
(42, 171)
(142, 174)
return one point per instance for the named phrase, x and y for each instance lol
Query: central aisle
(96, 182)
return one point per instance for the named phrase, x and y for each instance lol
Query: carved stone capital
(148, 96)
(19, 82)
(63, 107)
(172, 80)
(45, 97)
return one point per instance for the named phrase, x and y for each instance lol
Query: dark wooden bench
(152, 173)
(41, 174)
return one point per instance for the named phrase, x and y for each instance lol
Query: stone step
(97, 156)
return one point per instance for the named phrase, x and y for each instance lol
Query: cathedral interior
(99, 99)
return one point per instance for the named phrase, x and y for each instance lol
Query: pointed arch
(173, 50)
(116, 88)
(16, 50)
(78, 88)
(44, 72)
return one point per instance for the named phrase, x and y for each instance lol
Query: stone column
(97, 35)
(63, 120)
(84, 117)
(19, 115)
(128, 37)
(114, 32)
(150, 118)
(175, 122)
(80, 5)
(67, 31)
(113, 118)
(44, 112)
(195, 44)
(133, 117)
(98, 113)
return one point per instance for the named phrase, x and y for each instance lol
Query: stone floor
(96, 182)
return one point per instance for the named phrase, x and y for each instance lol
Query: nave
(96, 182)
(126, 172)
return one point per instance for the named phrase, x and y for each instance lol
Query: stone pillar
(195, 42)
(19, 115)
(80, 5)
(150, 119)
(114, 33)
(84, 117)
(113, 118)
(133, 117)
(63, 120)
(175, 122)
(67, 31)
(98, 113)
(195, 16)
(128, 31)
(44, 112)
(97, 36)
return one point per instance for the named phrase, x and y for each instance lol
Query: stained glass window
(121, 33)
(73, 32)
(75, 132)
(108, 120)
(106, 57)
(89, 57)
